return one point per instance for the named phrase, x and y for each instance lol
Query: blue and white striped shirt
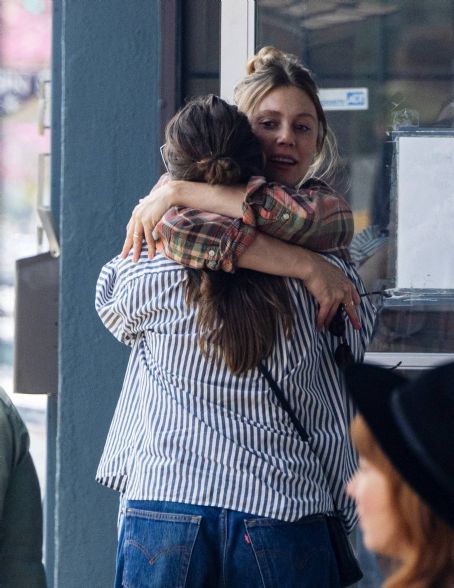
(187, 430)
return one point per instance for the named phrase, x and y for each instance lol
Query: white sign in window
(344, 98)
(425, 212)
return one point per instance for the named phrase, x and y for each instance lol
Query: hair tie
(211, 159)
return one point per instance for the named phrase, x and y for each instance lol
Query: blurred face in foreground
(286, 124)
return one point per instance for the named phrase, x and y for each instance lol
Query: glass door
(382, 67)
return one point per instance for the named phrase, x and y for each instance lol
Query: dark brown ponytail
(238, 314)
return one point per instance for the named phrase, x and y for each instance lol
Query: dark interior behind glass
(402, 51)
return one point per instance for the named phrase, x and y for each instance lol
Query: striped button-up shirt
(187, 430)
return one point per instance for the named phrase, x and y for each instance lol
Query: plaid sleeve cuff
(255, 197)
(275, 209)
(203, 240)
(314, 217)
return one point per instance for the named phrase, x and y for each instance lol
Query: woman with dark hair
(219, 486)
(237, 314)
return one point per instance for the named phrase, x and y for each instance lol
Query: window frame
(238, 32)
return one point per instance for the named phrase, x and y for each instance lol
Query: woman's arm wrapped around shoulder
(203, 240)
(314, 217)
(251, 233)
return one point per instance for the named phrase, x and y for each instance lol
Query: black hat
(413, 422)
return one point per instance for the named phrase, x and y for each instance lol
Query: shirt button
(211, 265)
(286, 216)
(211, 253)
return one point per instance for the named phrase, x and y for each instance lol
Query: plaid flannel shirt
(313, 216)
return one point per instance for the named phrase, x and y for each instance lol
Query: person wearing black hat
(404, 488)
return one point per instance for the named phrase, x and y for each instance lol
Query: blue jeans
(172, 545)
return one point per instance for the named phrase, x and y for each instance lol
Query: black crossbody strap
(283, 402)
(349, 570)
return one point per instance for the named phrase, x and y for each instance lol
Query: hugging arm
(234, 234)
(207, 241)
(325, 282)
(314, 217)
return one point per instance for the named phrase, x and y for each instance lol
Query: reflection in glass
(402, 52)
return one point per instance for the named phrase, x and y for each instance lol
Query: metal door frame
(237, 46)
(237, 42)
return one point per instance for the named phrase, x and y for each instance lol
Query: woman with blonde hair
(404, 488)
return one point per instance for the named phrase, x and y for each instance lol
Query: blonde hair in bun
(271, 68)
(263, 58)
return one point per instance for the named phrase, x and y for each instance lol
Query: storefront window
(381, 66)
(200, 48)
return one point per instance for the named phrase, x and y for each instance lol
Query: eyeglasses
(161, 151)
(343, 355)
